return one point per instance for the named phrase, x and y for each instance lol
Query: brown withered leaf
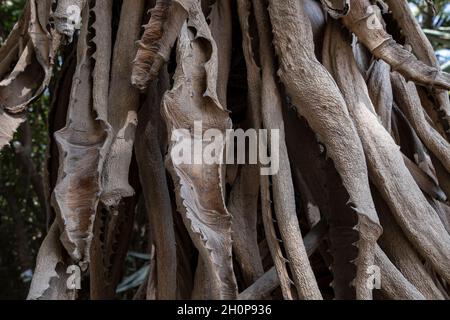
(123, 105)
(26, 61)
(370, 31)
(50, 276)
(67, 17)
(387, 170)
(82, 142)
(199, 187)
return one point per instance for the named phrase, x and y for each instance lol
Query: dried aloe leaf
(158, 39)
(32, 70)
(424, 181)
(380, 91)
(269, 281)
(413, 147)
(278, 258)
(122, 117)
(220, 24)
(283, 188)
(370, 31)
(243, 199)
(388, 172)
(199, 186)
(327, 191)
(393, 284)
(336, 8)
(50, 276)
(13, 46)
(83, 140)
(402, 253)
(30, 48)
(9, 123)
(422, 48)
(409, 100)
(150, 149)
(327, 114)
(67, 17)
(122, 107)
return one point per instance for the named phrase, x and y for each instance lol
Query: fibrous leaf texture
(30, 50)
(81, 142)
(142, 104)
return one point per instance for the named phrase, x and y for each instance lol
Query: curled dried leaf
(82, 141)
(336, 8)
(200, 194)
(50, 277)
(8, 126)
(327, 114)
(123, 104)
(67, 17)
(387, 169)
(30, 48)
(366, 25)
(158, 39)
